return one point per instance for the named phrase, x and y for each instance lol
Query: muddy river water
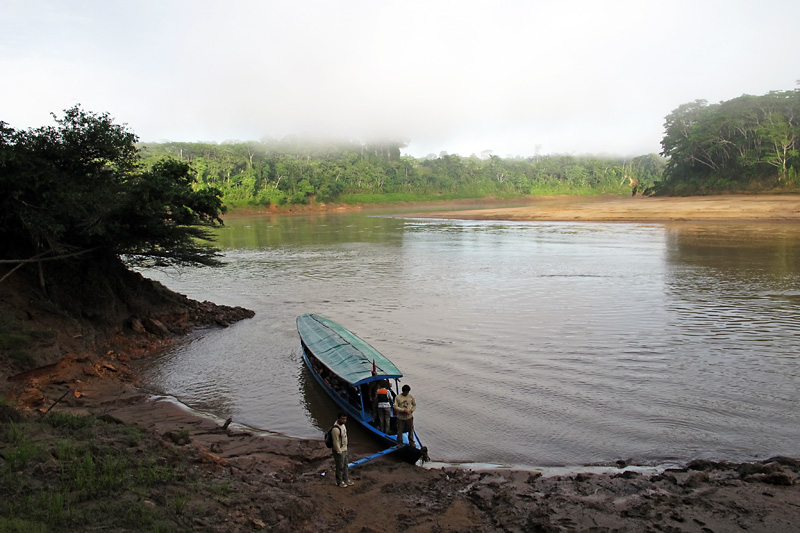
(525, 343)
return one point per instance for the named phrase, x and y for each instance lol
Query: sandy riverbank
(639, 208)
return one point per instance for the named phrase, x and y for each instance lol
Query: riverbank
(641, 209)
(612, 208)
(273, 483)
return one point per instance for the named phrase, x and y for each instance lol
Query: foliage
(292, 172)
(79, 187)
(746, 142)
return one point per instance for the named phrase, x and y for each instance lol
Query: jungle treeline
(293, 171)
(747, 144)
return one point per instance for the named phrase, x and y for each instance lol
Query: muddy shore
(284, 484)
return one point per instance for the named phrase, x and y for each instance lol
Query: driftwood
(56, 402)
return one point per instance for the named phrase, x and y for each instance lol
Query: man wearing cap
(404, 406)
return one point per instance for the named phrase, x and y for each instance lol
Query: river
(525, 343)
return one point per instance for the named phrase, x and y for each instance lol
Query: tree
(78, 190)
(733, 144)
(782, 138)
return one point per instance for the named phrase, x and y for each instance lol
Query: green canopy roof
(342, 352)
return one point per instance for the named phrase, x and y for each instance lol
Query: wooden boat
(349, 369)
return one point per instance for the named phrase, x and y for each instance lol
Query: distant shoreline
(656, 209)
(774, 207)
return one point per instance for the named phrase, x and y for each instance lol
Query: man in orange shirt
(384, 407)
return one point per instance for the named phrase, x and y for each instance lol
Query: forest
(292, 171)
(747, 144)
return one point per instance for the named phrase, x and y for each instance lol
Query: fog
(463, 77)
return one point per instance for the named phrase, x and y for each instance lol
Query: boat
(348, 368)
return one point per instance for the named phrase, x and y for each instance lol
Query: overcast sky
(514, 77)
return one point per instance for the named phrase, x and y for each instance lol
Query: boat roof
(343, 352)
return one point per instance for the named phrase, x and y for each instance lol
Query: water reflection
(197, 385)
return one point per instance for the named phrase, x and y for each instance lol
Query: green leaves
(80, 186)
(745, 139)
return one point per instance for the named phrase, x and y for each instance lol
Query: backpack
(329, 437)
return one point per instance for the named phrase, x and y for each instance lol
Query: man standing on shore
(404, 406)
(339, 439)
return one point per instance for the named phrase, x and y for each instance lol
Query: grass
(397, 198)
(64, 472)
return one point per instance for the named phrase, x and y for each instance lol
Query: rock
(749, 469)
(533, 476)
(696, 479)
(785, 461)
(669, 478)
(702, 464)
(628, 474)
(778, 478)
(31, 396)
(156, 327)
(137, 326)
(90, 371)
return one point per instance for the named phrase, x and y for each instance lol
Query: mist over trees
(294, 171)
(749, 142)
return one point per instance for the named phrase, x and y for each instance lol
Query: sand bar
(639, 208)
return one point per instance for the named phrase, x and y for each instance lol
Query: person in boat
(383, 407)
(372, 389)
(404, 406)
(339, 439)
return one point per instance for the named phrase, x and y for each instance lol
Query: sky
(508, 78)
